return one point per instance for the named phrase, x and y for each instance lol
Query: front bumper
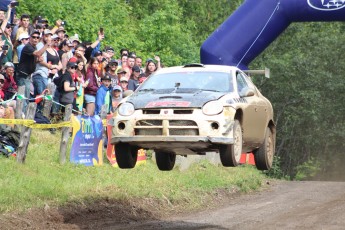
(168, 126)
(182, 139)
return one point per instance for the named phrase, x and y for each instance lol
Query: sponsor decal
(327, 5)
(153, 104)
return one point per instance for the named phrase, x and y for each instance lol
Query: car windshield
(185, 81)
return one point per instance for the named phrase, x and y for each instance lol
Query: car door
(252, 116)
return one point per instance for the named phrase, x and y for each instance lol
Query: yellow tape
(48, 126)
(32, 124)
(16, 122)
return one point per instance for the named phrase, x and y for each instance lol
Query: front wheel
(264, 155)
(126, 155)
(230, 155)
(165, 160)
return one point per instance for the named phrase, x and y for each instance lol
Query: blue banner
(87, 142)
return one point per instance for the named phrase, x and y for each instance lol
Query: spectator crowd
(34, 54)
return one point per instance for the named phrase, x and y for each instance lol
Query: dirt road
(283, 205)
(286, 205)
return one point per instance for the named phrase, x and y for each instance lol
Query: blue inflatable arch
(257, 23)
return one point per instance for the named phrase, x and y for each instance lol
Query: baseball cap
(61, 29)
(71, 64)
(117, 87)
(47, 31)
(123, 79)
(23, 36)
(106, 77)
(54, 36)
(74, 38)
(136, 68)
(2, 77)
(113, 61)
(109, 48)
(121, 71)
(149, 59)
(35, 32)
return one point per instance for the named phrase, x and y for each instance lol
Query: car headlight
(126, 109)
(212, 108)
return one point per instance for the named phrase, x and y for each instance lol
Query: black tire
(264, 155)
(126, 155)
(165, 160)
(230, 155)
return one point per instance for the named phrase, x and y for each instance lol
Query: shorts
(89, 98)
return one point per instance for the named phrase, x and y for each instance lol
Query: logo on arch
(327, 5)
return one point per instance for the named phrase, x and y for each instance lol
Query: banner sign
(87, 140)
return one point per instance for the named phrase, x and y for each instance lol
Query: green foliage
(305, 88)
(308, 169)
(276, 171)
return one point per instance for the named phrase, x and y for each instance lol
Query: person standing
(68, 88)
(27, 62)
(93, 77)
(103, 95)
(133, 82)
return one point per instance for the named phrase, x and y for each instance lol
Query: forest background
(307, 80)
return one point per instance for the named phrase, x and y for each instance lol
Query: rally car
(194, 109)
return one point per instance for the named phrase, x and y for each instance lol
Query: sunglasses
(123, 81)
(55, 40)
(73, 67)
(25, 39)
(2, 81)
(35, 37)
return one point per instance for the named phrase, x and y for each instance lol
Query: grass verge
(42, 180)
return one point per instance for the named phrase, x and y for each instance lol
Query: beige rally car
(194, 109)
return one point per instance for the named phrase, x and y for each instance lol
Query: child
(103, 95)
(116, 97)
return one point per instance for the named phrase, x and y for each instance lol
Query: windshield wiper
(146, 90)
(211, 90)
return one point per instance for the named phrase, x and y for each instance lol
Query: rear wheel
(230, 155)
(264, 155)
(165, 160)
(126, 155)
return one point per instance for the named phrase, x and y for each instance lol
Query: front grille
(183, 111)
(166, 128)
(149, 123)
(148, 132)
(184, 132)
(151, 111)
(182, 123)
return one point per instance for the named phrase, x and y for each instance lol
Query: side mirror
(247, 92)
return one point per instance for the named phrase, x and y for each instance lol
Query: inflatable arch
(257, 23)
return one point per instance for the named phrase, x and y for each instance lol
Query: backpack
(58, 82)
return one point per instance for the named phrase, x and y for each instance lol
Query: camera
(4, 47)
(14, 4)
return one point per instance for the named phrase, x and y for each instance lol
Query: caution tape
(32, 124)
(50, 126)
(17, 122)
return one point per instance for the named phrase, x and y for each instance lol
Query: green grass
(42, 180)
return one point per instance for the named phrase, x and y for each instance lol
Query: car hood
(195, 99)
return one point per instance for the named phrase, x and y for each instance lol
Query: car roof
(198, 67)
